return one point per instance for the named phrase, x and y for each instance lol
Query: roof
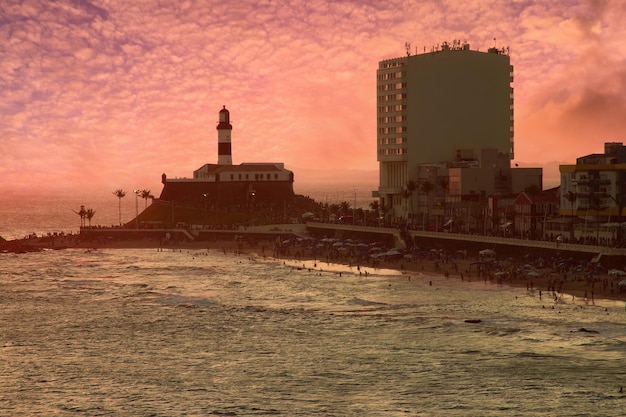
(244, 167)
(550, 196)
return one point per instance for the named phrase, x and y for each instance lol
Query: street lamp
(205, 196)
(136, 208)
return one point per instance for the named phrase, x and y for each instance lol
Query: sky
(109, 94)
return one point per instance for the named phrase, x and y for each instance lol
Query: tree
(427, 187)
(82, 212)
(595, 203)
(620, 201)
(406, 195)
(411, 187)
(120, 194)
(333, 210)
(571, 197)
(384, 210)
(375, 206)
(145, 194)
(345, 208)
(89, 213)
(359, 213)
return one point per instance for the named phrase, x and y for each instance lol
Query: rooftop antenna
(407, 46)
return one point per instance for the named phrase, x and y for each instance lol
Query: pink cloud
(112, 96)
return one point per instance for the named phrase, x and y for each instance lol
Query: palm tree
(411, 187)
(571, 197)
(375, 206)
(595, 203)
(120, 194)
(89, 213)
(333, 209)
(345, 208)
(620, 201)
(426, 188)
(145, 194)
(406, 194)
(82, 212)
(384, 210)
(444, 185)
(359, 213)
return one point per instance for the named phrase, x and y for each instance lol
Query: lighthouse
(224, 128)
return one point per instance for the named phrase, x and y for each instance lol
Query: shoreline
(547, 284)
(391, 271)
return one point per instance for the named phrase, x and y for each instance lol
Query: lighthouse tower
(224, 128)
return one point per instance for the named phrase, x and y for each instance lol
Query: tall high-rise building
(431, 106)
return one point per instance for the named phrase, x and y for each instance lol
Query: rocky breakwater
(17, 246)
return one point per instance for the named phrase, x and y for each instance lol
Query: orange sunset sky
(112, 93)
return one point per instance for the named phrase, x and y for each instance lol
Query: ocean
(143, 332)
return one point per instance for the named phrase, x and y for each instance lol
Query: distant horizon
(313, 179)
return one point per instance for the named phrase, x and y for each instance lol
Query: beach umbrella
(532, 274)
(617, 272)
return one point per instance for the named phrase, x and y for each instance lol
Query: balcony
(592, 181)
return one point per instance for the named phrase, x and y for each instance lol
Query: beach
(543, 279)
